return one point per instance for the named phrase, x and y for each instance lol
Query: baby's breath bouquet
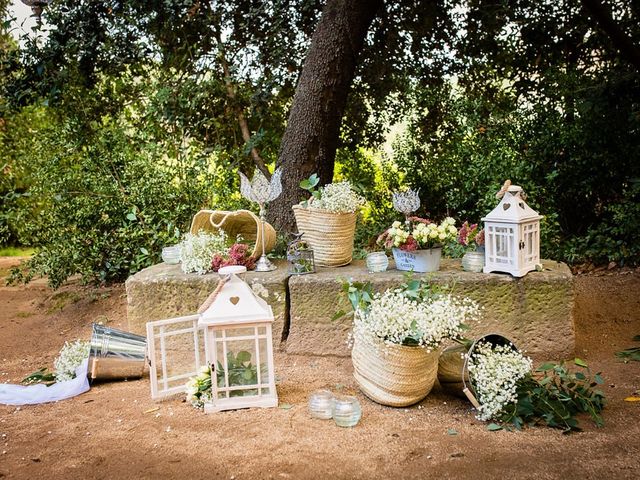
(397, 335)
(339, 197)
(197, 251)
(509, 391)
(414, 314)
(68, 360)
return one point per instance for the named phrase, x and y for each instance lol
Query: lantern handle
(503, 189)
(211, 298)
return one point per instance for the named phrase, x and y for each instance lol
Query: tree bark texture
(311, 137)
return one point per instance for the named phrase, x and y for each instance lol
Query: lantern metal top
(236, 303)
(512, 208)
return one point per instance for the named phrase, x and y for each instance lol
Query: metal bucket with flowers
(482, 369)
(417, 243)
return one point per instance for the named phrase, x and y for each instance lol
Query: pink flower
(411, 245)
(237, 256)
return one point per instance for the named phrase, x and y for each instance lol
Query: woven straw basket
(393, 375)
(329, 234)
(451, 369)
(240, 222)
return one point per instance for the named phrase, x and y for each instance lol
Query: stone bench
(535, 311)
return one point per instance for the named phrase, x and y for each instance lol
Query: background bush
(117, 127)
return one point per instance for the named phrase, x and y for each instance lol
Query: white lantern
(239, 347)
(235, 331)
(512, 236)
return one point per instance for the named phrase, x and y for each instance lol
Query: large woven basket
(329, 234)
(239, 222)
(393, 375)
(451, 369)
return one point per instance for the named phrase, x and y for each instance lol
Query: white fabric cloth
(32, 394)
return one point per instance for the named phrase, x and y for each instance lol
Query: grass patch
(61, 300)
(16, 252)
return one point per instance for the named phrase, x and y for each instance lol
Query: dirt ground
(109, 431)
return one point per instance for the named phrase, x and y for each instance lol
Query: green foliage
(375, 177)
(630, 354)
(310, 185)
(360, 294)
(42, 375)
(556, 396)
(240, 371)
(104, 198)
(532, 91)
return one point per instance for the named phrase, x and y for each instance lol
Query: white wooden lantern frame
(512, 236)
(236, 316)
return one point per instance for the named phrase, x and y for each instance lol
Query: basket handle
(467, 392)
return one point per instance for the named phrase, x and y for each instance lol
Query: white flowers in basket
(337, 198)
(494, 371)
(416, 314)
(197, 251)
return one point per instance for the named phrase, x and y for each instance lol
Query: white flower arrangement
(197, 250)
(494, 371)
(400, 317)
(422, 235)
(70, 357)
(198, 388)
(337, 198)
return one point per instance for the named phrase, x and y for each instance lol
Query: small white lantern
(234, 327)
(238, 347)
(512, 236)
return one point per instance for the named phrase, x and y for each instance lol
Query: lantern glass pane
(176, 352)
(503, 245)
(237, 365)
(240, 332)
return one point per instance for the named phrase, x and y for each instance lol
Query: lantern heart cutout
(234, 300)
(506, 206)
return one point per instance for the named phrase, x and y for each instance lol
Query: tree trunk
(311, 137)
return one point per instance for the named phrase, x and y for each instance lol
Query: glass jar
(377, 262)
(301, 262)
(473, 261)
(171, 254)
(346, 411)
(321, 404)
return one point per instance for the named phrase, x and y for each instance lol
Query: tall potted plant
(397, 335)
(328, 221)
(471, 239)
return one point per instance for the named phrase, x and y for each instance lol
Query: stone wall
(535, 311)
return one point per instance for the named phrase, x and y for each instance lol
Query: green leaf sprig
(554, 395)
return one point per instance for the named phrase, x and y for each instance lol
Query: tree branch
(602, 17)
(242, 121)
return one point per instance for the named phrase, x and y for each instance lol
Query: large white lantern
(239, 347)
(231, 336)
(512, 236)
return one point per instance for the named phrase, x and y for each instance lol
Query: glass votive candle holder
(377, 262)
(321, 404)
(171, 255)
(346, 411)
